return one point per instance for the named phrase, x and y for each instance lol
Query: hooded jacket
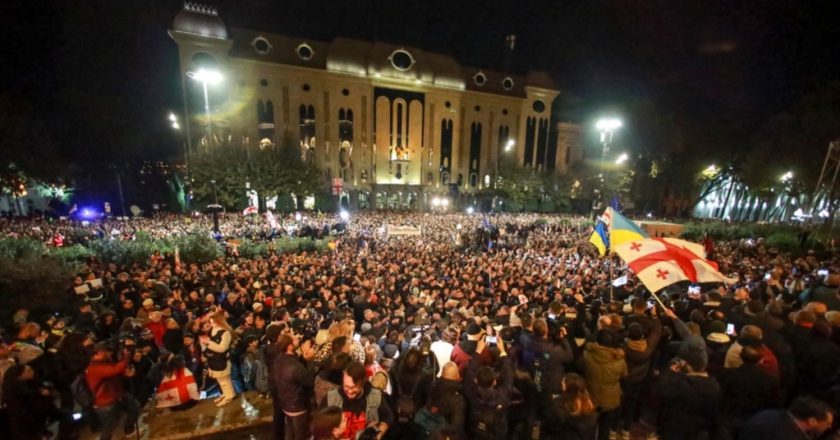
(604, 368)
(639, 354)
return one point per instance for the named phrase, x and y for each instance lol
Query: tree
(271, 171)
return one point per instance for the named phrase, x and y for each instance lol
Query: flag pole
(611, 276)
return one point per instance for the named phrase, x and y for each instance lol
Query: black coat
(493, 401)
(292, 382)
(772, 425)
(747, 390)
(689, 405)
(448, 398)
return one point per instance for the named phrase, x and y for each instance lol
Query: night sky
(97, 78)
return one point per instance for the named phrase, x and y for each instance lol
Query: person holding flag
(177, 389)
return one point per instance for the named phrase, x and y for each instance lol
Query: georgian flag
(176, 389)
(660, 262)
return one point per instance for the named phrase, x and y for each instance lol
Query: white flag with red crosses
(176, 389)
(660, 262)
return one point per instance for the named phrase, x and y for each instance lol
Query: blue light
(88, 213)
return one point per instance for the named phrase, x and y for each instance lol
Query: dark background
(89, 83)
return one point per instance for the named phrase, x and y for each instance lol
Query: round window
(507, 83)
(261, 46)
(479, 79)
(401, 60)
(539, 106)
(478, 108)
(305, 52)
(448, 104)
(306, 87)
(345, 92)
(263, 82)
(504, 111)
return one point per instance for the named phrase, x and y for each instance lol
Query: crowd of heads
(375, 300)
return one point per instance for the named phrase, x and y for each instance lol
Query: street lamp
(621, 159)
(606, 126)
(786, 176)
(174, 120)
(509, 145)
(206, 77)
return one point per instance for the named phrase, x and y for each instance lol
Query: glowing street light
(786, 176)
(172, 117)
(621, 159)
(470, 210)
(344, 215)
(509, 145)
(206, 77)
(606, 126)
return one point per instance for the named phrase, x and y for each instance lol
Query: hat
(148, 302)
(390, 352)
(718, 338)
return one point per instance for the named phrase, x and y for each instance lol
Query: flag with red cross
(660, 262)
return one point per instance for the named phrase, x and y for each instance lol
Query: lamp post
(606, 126)
(206, 77)
(215, 207)
(507, 149)
(177, 127)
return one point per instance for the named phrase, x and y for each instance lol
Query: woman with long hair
(571, 414)
(216, 348)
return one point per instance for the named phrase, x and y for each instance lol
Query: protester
(217, 349)
(378, 299)
(105, 380)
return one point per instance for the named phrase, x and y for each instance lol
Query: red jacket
(158, 329)
(105, 382)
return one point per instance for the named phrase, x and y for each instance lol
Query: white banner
(401, 230)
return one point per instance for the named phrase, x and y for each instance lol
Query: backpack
(484, 420)
(429, 422)
(81, 392)
(82, 395)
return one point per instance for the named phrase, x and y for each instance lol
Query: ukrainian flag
(622, 229)
(600, 238)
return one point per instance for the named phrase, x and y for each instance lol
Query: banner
(402, 230)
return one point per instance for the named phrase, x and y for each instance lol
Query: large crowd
(480, 327)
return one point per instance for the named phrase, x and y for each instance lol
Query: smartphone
(822, 272)
(730, 329)
(77, 416)
(767, 276)
(490, 339)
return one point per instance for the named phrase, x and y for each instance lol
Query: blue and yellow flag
(623, 229)
(600, 238)
(614, 229)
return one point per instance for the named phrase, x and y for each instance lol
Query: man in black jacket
(747, 389)
(488, 397)
(293, 385)
(446, 399)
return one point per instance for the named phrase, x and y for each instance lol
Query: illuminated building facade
(396, 124)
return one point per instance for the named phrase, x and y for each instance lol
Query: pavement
(248, 417)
